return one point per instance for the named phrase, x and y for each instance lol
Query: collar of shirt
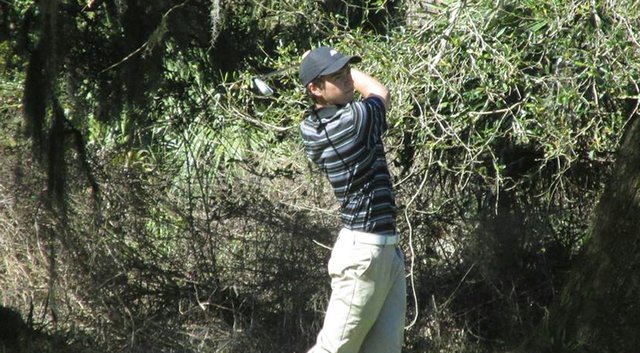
(324, 115)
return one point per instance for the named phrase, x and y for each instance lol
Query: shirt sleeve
(374, 114)
(309, 142)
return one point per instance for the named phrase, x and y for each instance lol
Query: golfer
(343, 137)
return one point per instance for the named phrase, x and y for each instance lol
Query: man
(366, 311)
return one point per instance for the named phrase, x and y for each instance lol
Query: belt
(368, 238)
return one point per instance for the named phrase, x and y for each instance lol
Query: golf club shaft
(277, 72)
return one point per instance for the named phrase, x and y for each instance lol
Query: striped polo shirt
(346, 143)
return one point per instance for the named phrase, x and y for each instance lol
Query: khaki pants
(366, 311)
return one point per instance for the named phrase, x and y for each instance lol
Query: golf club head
(260, 87)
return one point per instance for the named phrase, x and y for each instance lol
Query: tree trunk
(599, 308)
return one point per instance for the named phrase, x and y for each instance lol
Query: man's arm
(369, 86)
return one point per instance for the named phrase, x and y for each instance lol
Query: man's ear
(314, 89)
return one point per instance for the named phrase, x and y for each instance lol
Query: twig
(322, 245)
(145, 44)
(413, 254)
(447, 33)
(632, 37)
(450, 298)
(246, 117)
(635, 108)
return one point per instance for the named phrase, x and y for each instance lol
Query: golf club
(259, 85)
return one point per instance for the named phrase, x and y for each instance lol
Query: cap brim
(339, 64)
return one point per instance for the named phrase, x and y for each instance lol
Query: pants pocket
(350, 261)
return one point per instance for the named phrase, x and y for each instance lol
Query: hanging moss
(36, 90)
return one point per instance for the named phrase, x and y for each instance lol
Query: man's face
(337, 90)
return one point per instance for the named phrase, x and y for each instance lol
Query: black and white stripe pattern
(346, 143)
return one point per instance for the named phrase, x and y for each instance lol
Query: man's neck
(320, 104)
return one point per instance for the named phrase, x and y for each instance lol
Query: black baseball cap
(323, 61)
